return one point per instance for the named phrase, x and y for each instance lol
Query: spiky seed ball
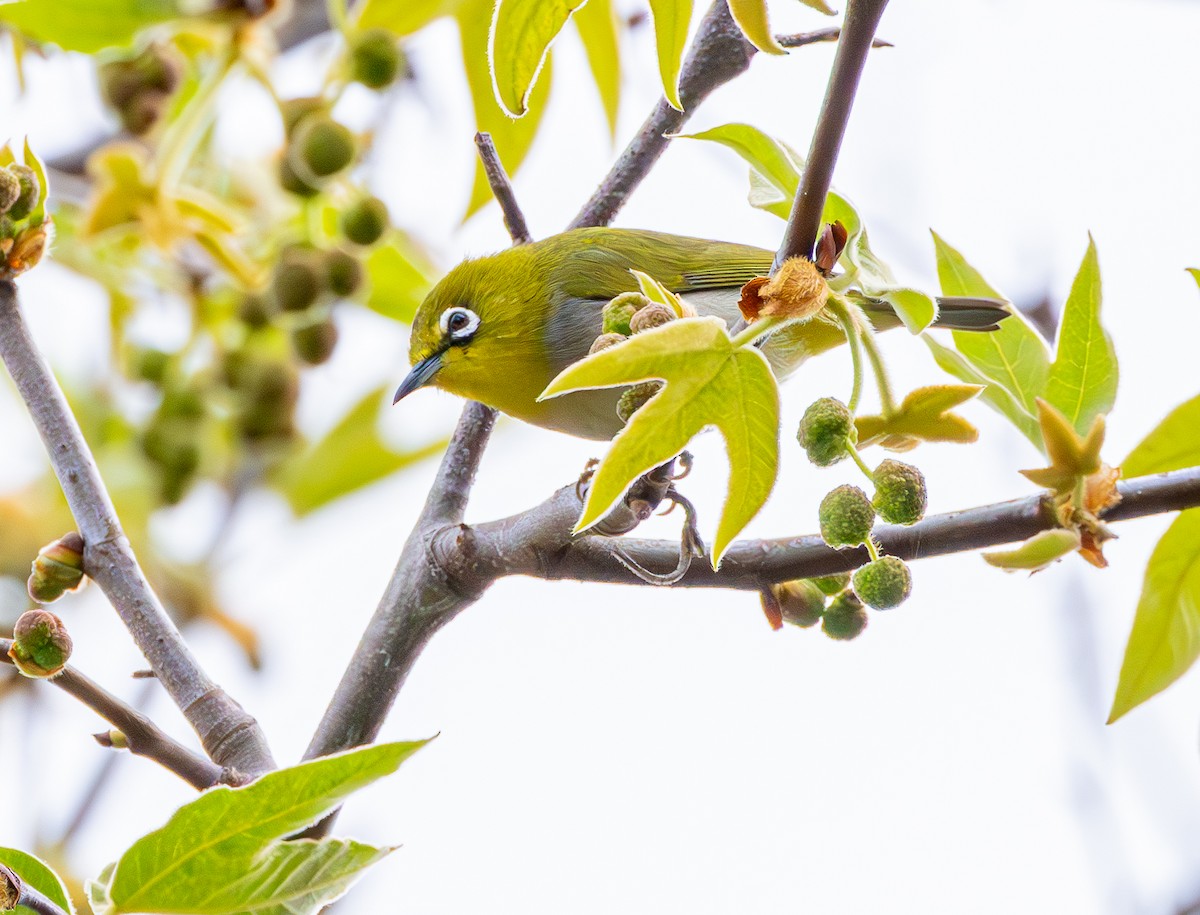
(884, 583)
(604, 341)
(297, 279)
(826, 431)
(10, 189)
(845, 618)
(343, 272)
(900, 496)
(41, 644)
(650, 316)
(635, 398)
(374, 58)
(365, 220)
(321, 147)
(801, 602)
(620, 311)
(832, 584)
(30, 193)
(314, 343)
(846, 516)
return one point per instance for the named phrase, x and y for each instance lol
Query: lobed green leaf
(36, 873)
(708, 382)
(672, 18)
(1165, 639)
(226, 853)
(996, 396)
(1083, 377)
(87, 25)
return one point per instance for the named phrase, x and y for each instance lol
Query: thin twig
(13, 888)
(804, 222)
(144, 737)
(538, 543)
(230, 736)
(514, 219)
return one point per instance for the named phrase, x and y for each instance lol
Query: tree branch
(230, 736)
(514, 219)
(538, 542)
(144, 737)
(14, 890)
(804, 222)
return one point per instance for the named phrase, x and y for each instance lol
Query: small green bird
(498, 329)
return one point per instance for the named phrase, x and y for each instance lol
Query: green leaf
(671, 21)
(1015, 357)
(349, 457)
(402, 17)
(1038, 552)
(1165, 640)
(820, 6)
(38, 215)
(1171, 445)
(924, 416)
(1083, 377)
(522, 32)
(596, 22)
(38, 874)
(512, 138)
(226, 852)
(400, 276)
(708, 382)
(657, 292)
(765, 155)
(1195, 272)
(999, 398)
(751, 18)
(86, 25)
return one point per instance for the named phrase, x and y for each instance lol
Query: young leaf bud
(801, 602)
(41, 644)
(321, 147)
(653, 315)
(297, 279)
(634, 398)
(30, 192)
(374, 58)
(620, 311)
(10, 189)
(113, 739)
(57, 569)
(884, 583)
(314, 342)
(845, 618)
(343, 272)
(826, 431)
(604, 341)
(832, 584)
(900, 496)
(365, 220)
(846, 517)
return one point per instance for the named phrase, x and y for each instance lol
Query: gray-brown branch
(230, 736)
(143, 736)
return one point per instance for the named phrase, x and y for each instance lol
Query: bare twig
(858, 33)
(514, 219)
(13, 889)
(145, 738)
(538, 543)
(230, 736)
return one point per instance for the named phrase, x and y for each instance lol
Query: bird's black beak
(422, 373)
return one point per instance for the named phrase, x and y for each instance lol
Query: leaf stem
(872, 549)
(182, 137)
(838, 308)
(882, 381)
(759, 329)
(857, 458)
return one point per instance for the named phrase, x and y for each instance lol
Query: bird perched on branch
(497, 329)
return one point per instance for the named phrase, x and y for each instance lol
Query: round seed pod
(374, 58)
(365, 220)
(884, 583)
(653, 315)
(846, 517)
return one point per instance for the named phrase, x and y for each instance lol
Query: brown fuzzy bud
(10, 889)
(26, 250)
(797, 290)
(57, 569)
(41, 645)
(634, 398)
(653, 315)
(604, 341)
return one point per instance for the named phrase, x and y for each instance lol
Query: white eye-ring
(459, 323)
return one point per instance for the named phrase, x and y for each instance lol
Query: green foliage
(520, 39)
(1038, 552)
(751, 17)
(1171, 445)
(596, 22)
(86, 25)
(1165, 640)
(710, 380)
(671, 21)
(399, 276)
(923, 416)
(227, 851)
(36, 873)
(1083, 376)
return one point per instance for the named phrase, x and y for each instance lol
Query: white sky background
(617, 749)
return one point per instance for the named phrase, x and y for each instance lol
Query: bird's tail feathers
(954, 312)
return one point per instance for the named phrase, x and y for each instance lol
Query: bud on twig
(57, 569)
(41, 645)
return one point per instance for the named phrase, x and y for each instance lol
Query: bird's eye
(459, 323)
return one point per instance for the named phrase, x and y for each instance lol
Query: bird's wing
(597, 262)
